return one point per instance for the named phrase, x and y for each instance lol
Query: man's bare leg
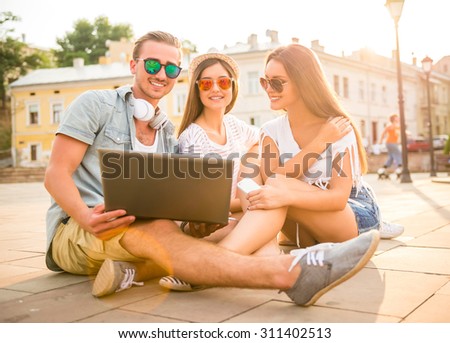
(304, 276)
(203, 263)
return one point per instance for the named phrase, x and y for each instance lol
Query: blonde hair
(313, 88)
(392, 117)
(194, 105)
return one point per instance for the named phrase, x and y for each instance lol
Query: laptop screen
(168, 186)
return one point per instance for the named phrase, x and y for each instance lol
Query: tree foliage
(16, 58)
(88, 40)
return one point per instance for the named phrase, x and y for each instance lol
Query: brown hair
(308, 77)
(156, 36)
(194, 105)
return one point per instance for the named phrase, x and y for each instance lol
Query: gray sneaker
(326, 265)
(114, 276)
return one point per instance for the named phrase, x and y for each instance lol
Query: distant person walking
(392, 135)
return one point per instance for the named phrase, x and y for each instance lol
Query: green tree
(16, 58)
(88, 40)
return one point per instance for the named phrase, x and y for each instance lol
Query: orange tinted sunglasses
(223, 83)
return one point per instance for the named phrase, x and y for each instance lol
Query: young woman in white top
(326, 195)
(207, 126)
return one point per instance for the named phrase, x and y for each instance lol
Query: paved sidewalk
(408, 280)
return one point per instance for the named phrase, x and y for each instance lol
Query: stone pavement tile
(384, 292)
(439, 238)
(205, 306)
(434, 310)
(446, 289)
(11, 275)
(388, 244)
(281, 312)
(14, 192)
(62, 305)
(65, 304)
(7, 295)
(151, 290)
(121, 316)
(441, 179)
(46, 282)
(415, 259)
(425, 222)
(7, 255)
(33, 262)
(27, 244)
(12, 234)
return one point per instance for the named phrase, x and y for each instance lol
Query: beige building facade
(365, 82)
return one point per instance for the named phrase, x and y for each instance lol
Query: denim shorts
(365, 208)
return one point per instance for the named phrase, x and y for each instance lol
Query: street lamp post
(427, 63)
(395, 9)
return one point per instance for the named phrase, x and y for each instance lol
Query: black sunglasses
(153, 66)
(276, 84)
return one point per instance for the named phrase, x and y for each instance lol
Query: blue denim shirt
(101, 119)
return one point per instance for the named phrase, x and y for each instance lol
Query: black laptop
(170, 186)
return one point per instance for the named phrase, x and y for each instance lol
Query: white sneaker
(390, 230)
(175, 284)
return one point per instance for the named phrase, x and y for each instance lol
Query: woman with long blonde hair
(326, 197)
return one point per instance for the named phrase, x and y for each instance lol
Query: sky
(341, 26)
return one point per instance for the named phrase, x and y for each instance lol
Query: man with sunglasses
(122, 251)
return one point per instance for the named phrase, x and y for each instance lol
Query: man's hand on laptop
(200, 230)
(105, 225)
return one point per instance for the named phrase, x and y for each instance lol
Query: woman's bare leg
(254, 230)
(323, 226)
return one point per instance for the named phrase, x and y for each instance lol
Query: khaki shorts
(78, 252)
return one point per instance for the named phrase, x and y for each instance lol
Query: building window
(345, 81)
(336, 84)
(33, 114)
(361, 90)
(57, 109)
(374, 132)
(383, 95)
(253, 83)
(33, 152)
(180, 100)
(444, 95)
(434, 89)
(362, 126)
(373, 92)
(255, 121)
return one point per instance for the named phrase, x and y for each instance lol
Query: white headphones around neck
(144, 111)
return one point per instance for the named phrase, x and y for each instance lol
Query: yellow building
(38, 101)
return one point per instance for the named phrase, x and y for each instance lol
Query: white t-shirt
(138, 146)
(319, 173)
(240, 137)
